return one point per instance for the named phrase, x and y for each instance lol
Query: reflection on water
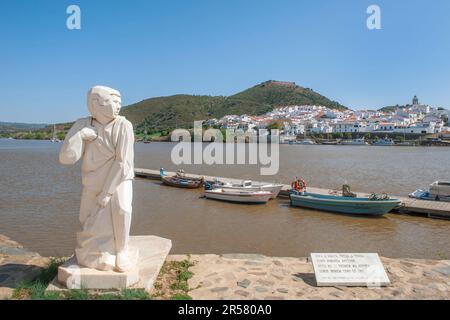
(39, 202)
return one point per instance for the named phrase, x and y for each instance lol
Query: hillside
(392, 108)
(170, 112)
(165, 113)
(6, 127)
(270, 94)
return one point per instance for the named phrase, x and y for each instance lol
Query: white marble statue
(105, 141)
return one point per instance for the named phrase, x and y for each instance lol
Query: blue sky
(219, 47)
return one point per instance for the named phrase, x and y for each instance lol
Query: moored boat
(438, 191)
(406, 144)
(354, 142)
(248, 185)
(384, 142)
(233, 195)
(180, 180)
(305, 142)
(330, 142)
(372, 206)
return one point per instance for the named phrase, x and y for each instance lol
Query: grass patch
(35, 290)
(441, 255)
(135, 294)
(172, 281)
(181, 296)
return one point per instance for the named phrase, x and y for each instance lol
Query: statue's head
(104, 103)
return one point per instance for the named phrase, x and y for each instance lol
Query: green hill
(171, 112)
(15, 126)
(165, 113)
(392, 108)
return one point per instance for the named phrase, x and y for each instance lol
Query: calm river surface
(39, 200)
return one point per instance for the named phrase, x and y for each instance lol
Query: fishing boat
(306, 142)
(180, 180)
(330, 142)
(354, 142)
(438, 191)
(240, 196)
(372, 206)
(405, 144)
(384, 142)
(248, 185)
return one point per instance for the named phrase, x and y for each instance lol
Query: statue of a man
(105, 141)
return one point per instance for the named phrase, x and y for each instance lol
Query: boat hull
(239, 197)
(346, 205)
(181, 183)
(425, 195)
(273, 189)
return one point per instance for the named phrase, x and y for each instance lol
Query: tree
(348, 135)
(273, 125)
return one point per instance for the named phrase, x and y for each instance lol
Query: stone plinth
(152, 254)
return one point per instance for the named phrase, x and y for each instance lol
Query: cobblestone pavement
(250, 276)
(17, 265)
(253, 276)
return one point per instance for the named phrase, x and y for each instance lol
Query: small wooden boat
(372, 206)
(238, 195)
(180, 180)
(384, 142)
(248, 185)
(354, 142)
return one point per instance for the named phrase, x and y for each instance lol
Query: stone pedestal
(152, 254)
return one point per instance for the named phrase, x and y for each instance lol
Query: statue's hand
(103, 199)
(88, 133)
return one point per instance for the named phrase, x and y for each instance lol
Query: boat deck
(431, 209)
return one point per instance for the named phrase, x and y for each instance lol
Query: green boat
(372, 206)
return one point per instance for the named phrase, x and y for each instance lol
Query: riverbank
(319, 141)
(247, 276)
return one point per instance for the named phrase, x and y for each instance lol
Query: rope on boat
(376, 196)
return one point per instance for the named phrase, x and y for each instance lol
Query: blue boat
(372, 206)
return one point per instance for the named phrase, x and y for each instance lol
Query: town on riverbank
(413, 124)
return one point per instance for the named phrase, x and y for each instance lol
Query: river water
(39, 200)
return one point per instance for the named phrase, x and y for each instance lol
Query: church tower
(415, 101)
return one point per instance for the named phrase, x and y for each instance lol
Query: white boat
(240, 196)
(54, 138)
(384, 142)
(306, 141)
(438, 191)
(354, 142)
(249, 185)
(405, 144)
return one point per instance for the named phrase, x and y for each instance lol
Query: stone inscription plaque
(349, 269)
